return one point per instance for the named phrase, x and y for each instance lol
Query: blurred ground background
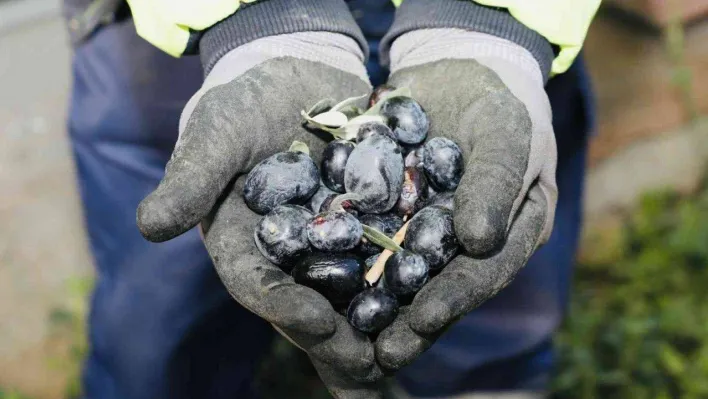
(638, 325)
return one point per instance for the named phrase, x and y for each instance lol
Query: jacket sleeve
(168, 24)
(178, 27)
(564, 23)
(561, 23)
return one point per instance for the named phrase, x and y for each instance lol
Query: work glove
(247, 110)
(486, 94)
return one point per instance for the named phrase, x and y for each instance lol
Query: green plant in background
(68, 325)
(67, 329)
(638, 322)
(681, 76)
(11, 395)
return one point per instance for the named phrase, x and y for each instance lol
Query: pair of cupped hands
(249, 108)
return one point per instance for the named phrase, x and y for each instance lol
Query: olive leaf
(380, 239)
(331, 118)
(321, 106)
(300, 147)
(350, 130)
(334, 132)
(343, 119)
(348, 102)
(351, 111)
(347, 131)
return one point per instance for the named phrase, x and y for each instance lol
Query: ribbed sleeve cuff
(276, 17)
(424, 14)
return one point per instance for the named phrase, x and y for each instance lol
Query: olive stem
(400, 92)
(374, 274)
(337, 202)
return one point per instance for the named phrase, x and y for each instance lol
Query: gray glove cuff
(429, 45)
(467, 15)
(277, 17)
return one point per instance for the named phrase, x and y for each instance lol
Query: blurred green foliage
(638, 321)
(681, 75)
(68, 325)
(11, 394)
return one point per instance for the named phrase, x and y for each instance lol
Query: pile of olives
(338, 229)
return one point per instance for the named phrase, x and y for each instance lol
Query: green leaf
(333, 119)
(321, 106)
(351, 111)
(380, 239)
(614, 377)
(350, 130)
(672, 360)
(299, 146)
(334, 132)
(348, 102)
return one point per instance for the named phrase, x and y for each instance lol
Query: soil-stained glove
(248, 109)
(486, 94)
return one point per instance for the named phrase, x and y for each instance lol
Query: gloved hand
(248, 109)
(486, 94)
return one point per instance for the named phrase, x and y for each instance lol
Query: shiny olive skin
(375, 172)
(281, 235)
(443, 163)
(445, 200)
(379, 92)
(387, 223)
(431, 234)
(367, 129)
(322, 193)
(338, 277)
(372, 310)
(413, 193)
(406, 118)
(289, 177)
(334, 161)
(346, 205)
(405, 274)
(334, 231)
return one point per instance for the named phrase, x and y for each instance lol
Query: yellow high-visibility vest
(167, 23)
